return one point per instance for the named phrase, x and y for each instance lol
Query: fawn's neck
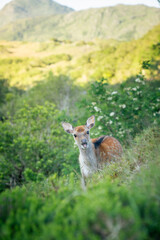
(88, 160)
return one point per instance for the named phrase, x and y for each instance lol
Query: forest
(45, 83)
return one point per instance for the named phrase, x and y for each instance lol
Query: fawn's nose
(83, 141)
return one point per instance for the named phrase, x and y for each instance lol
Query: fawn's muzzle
(84, 143)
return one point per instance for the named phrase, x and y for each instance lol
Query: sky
(84, 4)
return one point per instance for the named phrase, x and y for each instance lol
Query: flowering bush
(123, 112)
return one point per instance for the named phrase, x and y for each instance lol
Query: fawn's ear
(90, 122)
(67, 127)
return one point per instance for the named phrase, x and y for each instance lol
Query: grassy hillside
(43, 84)
(40, 193)
(23, 9)
(82, 61)
(120, 22)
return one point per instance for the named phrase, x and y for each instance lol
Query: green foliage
(80, 61)
(56, 58)
(124, 110)
(57, 208)
(4, 89)
(32, 68)
(20, 68)
(7, 96)
(119, 61)
(58, 90)
(33, 145)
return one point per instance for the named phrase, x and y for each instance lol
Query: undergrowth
(123, 202)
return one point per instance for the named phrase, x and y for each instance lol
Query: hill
(29, 62)
(121, 22)
(20, 9)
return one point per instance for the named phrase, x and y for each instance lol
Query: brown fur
(80, 129)
(109, 150)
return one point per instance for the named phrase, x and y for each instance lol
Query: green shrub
(33, 145)
(56, 58)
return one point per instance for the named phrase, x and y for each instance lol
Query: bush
(30, 146)
(56, 58)
(124, 110)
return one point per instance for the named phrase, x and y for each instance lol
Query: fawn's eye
(87, 132)
(75, 135)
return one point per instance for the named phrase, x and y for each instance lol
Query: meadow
(45, 83)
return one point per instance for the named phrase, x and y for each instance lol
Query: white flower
(137, 80)
(122, 106)
(134, 89)
(99, 127)
(110, 122)
(113, 93)
(109, 98)
(99, 118)
(93, 103)
(117, 118)
(96, 109)
(112, 114)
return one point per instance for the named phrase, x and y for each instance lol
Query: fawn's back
(106, 149)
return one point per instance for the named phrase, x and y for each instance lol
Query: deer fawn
(94, 153)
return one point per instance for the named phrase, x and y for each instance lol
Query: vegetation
(43, 84)
(124, 110)
(83, 61)
(120, 22)
(29, 144)
(123, 204)
(32, 135)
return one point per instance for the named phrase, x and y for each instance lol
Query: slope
(121, 22)
(20, 9)
(30, 62)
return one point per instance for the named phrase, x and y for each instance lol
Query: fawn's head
(80, 133)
